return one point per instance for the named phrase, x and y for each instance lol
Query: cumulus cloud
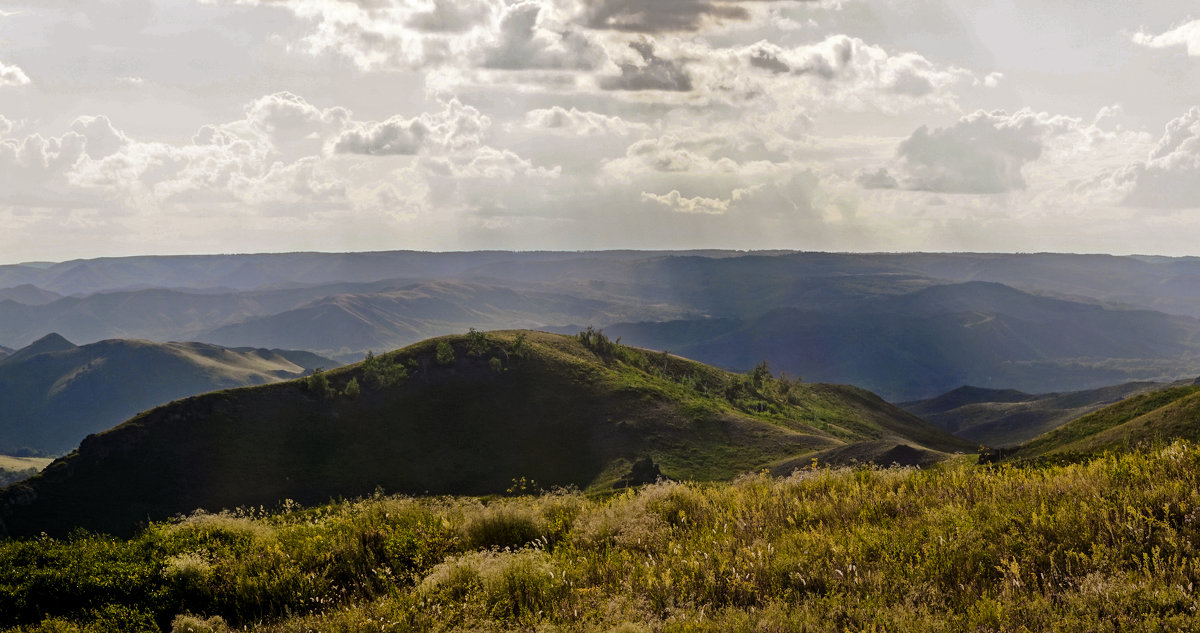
(486, 163)
(12, 76)
(290, 122)
(718, 153)
(677, 202)
(254, 165)
(849, 69)
(100, 137)
(1170, 176)
(522, 43)
(650, 72)
(415, 35)
(575, 122)
(456, 127)
(1186, 35)
(984, 152)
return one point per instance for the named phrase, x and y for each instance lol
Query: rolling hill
(53, 393)
(918, 344)
(1006, 418)
(907, 326)
(347, 325)
(455, 415)
(1147, 419)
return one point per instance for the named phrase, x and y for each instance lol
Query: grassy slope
(560, 416)
(8, 462)
(54, 393)
(1159, 416)
(1008, 418)
(1108, 546)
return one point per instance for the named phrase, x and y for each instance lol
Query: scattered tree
(760, 376)
(318, 384)
(478, 343)
(496, 364)
(520, 347)
(597, 341)
(445, 353)
(352, 389)
(380, 372)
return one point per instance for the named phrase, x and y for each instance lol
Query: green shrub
(502, 526)
(478, 343)
(444, 354)
(382, 372)
(193, 624)
(317, 383)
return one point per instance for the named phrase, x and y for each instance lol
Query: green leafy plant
(444, 354)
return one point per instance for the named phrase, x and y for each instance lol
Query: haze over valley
(608, 316)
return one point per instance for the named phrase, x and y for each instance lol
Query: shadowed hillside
(53, 393)
(456, 415)
(923, 343)
(1004, 418)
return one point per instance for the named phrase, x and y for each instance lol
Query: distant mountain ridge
(53, 393)
(454, 415)
(907, 326)
(28, 294)
(913, 345)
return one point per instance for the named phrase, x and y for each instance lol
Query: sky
(221, 126)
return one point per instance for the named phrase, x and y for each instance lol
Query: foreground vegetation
(1108, 545)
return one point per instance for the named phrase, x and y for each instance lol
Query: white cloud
(292, 125)
(522, 42)
(848, 71)
(1170, 176)
(984, 152)
(456, 127)
(575, 122)
(1186, 35)
(12, 76)
(676, 202)
(416, 35)
(284, 156)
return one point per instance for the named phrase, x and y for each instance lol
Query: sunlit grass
(1108, 545)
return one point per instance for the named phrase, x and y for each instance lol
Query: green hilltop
(468, 414)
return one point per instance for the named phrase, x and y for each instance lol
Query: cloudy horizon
(217, 126)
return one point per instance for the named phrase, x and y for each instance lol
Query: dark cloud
(654, 73)
(767, 59)
(654, 16)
